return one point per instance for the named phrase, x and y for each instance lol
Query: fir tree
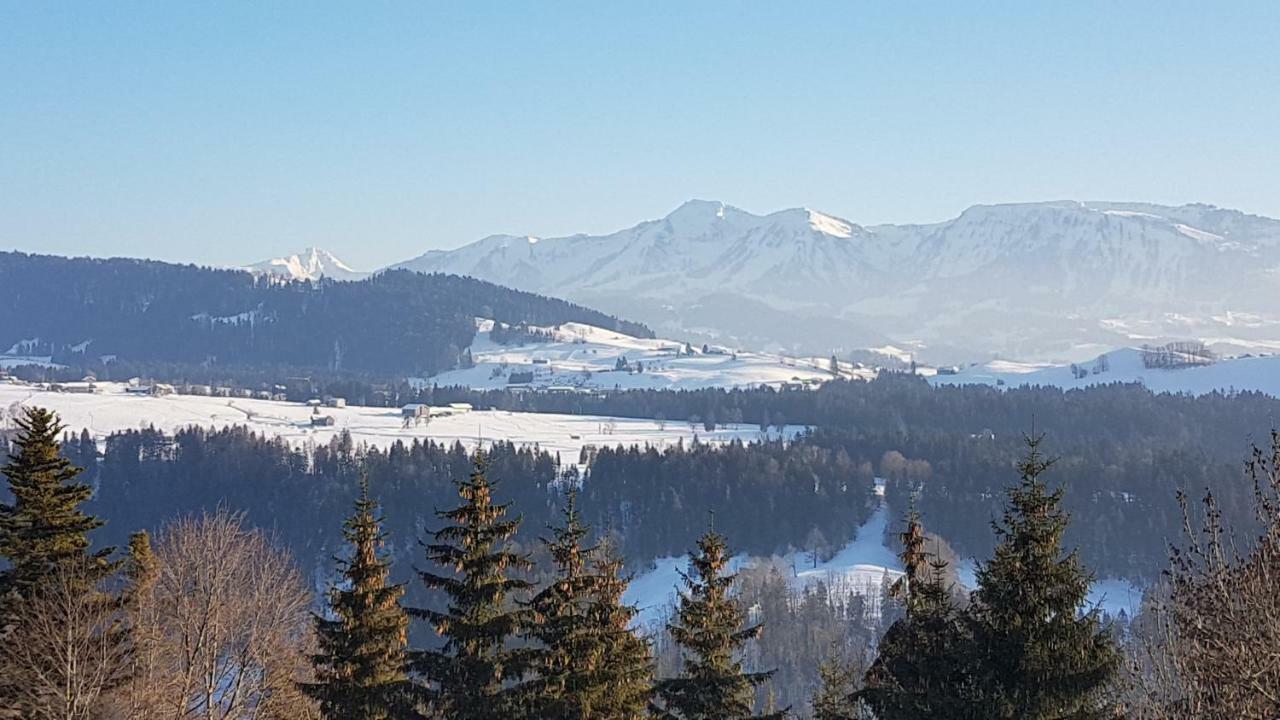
(360, 669)
(1041, 657)
(709, 628)
(468, 677)
(834, 700)
(44, 528)
(591, 665)
(924, 665)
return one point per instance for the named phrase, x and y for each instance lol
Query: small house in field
(322, 421)
(161, 390)
(414, 411)
(335, 402)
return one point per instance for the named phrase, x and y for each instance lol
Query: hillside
(577, 355)
(1127, 365)
(1054, 280)
(93, 314)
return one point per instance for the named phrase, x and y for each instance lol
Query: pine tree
(1041, 657)
(591, 666)
(709, 628)
(834, 700)
(44, 528)
(468, 677)
(360, 668)
(924, 665)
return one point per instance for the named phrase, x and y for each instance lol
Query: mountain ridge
(1051, 280)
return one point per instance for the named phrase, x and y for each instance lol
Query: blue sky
(227, 132)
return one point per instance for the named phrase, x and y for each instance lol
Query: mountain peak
(312, 263)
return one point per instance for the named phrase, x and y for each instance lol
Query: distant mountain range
(1052, 281)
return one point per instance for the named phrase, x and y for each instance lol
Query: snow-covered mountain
(1054, 280)
(310, 264)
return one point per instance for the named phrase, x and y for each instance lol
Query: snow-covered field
(1260, 374)
(113, 409)
(585, 356)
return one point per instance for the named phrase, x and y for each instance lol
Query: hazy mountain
(310, 264)
(1037, 280)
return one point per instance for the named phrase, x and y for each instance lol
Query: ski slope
(586, 357)
(1260, 374)
(113, 409)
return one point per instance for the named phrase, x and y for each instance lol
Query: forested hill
(80, 310)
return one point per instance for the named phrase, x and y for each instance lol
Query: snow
(862, 567)
(585, 357)
(249, 317)
(829, 225)
(13, 361)
(310, 264)
(112, 410)
(1261, 374)
(993, 279)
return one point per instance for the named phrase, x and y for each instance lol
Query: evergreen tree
(1041, 657)
(44, 528)
(360, 669)
(709, 628)
(139, 698)
(625, 669)
(834, 700)
(924, 664)
(468, 677)
(591, 665)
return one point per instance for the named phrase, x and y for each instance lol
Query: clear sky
(223, 132)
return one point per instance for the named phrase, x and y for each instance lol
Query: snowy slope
(1261, 374)
(113, 410)
(310, 264)
(585, 356)
(863, 566)
(1045, 280)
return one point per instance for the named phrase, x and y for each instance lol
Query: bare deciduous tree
(1211, 636)
(226, 628)
(66, 650)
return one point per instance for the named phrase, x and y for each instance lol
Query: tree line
(214, 620)
(182, 319)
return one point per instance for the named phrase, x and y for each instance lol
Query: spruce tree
(44, 528)
(1042, 656)
(710, 630)
(833, 700)
(469, 677)
(924, 666)
(360, 666)
(625, 670)
(590, 666)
